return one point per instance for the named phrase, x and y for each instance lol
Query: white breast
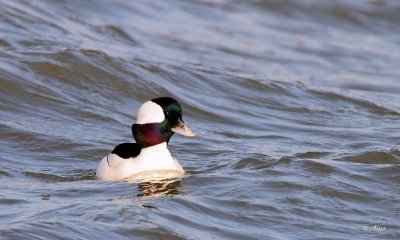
(153, 160)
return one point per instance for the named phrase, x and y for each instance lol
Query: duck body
(151, 161)
(149, 157)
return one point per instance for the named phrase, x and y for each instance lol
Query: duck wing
(123, 151)
(127, 150)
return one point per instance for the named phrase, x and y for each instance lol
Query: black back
(127, 150)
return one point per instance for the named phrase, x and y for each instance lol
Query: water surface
(296, 105)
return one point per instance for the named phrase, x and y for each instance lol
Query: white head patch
(150, 112)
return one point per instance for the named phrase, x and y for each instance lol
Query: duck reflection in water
(156, 188)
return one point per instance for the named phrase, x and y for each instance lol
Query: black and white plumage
(149, 157)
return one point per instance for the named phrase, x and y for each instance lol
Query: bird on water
(148, 158)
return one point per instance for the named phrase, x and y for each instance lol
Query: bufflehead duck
(149, 157)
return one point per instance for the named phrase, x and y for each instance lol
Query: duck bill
(183, 129)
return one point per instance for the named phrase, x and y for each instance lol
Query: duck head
(157, 120)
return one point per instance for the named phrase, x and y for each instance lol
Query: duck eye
(168, 114)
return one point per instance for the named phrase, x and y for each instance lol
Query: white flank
(156, 159)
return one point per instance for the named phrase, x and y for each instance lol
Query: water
(296, 105)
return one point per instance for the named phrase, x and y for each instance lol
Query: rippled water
(296, 104)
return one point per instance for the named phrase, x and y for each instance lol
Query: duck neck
(150, 134)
